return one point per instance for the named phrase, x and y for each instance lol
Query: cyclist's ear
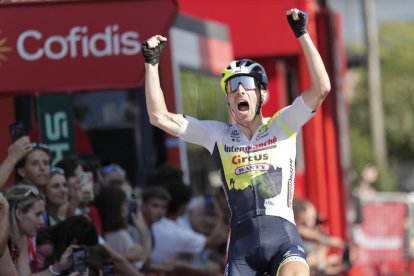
(227, 100)
(264, 94)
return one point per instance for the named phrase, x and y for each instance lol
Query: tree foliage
(397, 80)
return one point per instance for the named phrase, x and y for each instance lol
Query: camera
(79, 260)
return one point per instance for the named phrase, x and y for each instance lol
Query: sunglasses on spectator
(40, 146)
(57, 170)
(113, 168)
(32, 190)
(248, 82)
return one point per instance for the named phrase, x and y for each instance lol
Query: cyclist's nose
(240, 88)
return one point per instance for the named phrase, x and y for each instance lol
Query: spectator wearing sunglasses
(34, 167)
(255, 155)
(15, 153)
(25, 220)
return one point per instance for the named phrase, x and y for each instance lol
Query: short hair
(171, 178)
(20, 197)
(158, 192)
(69, 164)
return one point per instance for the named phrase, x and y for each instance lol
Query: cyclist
(255, 155)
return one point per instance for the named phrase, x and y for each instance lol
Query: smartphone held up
(79, 260)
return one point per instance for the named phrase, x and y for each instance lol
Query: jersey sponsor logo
(262, 132)
(290, 184)
(270, 143)
(235, 136)
(238, 159)
(252, 168)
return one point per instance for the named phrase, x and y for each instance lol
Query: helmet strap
(259, 106)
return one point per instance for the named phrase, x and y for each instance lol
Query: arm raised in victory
(157, 110)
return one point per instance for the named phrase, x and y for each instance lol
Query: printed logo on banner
(4, 49)
(57, 134)
(78, 42)
(56, 120)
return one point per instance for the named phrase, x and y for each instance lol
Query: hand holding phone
(132, 210)
(79, 260)
(86, 179)
(16, 131)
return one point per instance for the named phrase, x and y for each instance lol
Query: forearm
(121, 263)
(310, 234)
(153, 93)
(319, 77)
(6, 168)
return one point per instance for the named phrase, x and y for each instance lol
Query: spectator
(25, 219)
(155, 200)
(205, 216)
(173, 242)
(34, 167)
(56, 197)
(114, 223)
(317, 243)
(74, 231)
(79, 202)
(16, 151)
(93, 164)
(79, 231)
(369, 176)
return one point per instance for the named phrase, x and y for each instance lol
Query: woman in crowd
(80, 200)
(26, 218)
(56, 197)
(115, 222)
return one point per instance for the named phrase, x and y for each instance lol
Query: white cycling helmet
(243, 67)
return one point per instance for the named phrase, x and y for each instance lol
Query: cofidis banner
(77, 45)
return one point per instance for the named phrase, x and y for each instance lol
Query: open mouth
(243, 106)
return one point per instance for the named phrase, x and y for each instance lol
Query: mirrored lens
(247, 82)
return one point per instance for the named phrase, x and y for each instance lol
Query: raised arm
(321, 85)
(157, 110)
(16, 152)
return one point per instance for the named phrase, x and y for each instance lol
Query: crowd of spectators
(50, 214)
(80, 217)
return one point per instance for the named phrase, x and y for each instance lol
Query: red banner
(77, 45)
(380, 238)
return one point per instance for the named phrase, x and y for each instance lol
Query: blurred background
(73, 74)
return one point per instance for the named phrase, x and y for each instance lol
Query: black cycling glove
(299, 27)
(152, 55)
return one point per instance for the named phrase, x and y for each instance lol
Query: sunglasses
(40, 146)
(57, 170)
(248, 82)
(32, 190)
(113, 168)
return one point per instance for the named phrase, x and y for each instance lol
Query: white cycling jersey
(257, 174)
